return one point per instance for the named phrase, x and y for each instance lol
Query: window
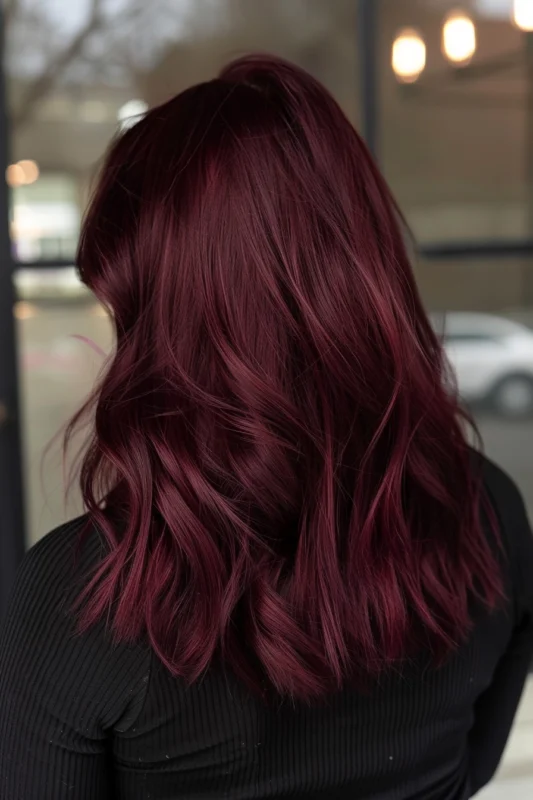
(456, 140)
(456, 135)
(74, 77)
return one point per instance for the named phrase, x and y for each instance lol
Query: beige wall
(479, 285)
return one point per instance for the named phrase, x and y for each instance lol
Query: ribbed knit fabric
(83, 719)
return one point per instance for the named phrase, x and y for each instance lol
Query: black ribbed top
(83, 719)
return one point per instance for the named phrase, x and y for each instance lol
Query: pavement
(60, 354)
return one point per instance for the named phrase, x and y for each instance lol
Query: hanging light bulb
(30, 169)
(15, 176)
(408, 55)
(459, 38)
(131, 112)
(523, 14)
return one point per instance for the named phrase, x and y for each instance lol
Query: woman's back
(278, 486)
(83, 710)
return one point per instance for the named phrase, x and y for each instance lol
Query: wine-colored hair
(282, 479)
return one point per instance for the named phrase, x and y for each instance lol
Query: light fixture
(22, 173)
(458, 38)
(99, 311)
(523, 14)
(408, 55)
(23, 310)
(131, 112)
(30, 169)
(15, 175)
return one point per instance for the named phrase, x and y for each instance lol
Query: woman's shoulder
(58, 552)
(54, 569)
(505, 498)
(40, 640)
(502, 488)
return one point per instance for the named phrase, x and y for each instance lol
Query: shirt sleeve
(61, 694)
(496, 708)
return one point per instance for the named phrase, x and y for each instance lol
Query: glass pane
(478, 307)
(74, 77)
(45, 217)
(456, 143)
(457, 136)
(61, 330)
(456, 139)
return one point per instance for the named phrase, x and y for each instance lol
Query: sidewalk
(515, 778)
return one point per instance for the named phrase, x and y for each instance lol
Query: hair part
(281, 477)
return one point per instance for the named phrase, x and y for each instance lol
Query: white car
(492, 358)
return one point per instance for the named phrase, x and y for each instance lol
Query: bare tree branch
(46, 80)
(10, 9)
(121, 31)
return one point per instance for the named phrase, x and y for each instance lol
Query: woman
(294, 578)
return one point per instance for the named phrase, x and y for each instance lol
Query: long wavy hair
(283, 482)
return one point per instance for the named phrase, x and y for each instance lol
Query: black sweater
(83, 719)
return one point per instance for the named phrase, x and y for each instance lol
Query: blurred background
(443, 92)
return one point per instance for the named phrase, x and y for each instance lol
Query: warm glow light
(22, 173)
(523, 14)
(131, 112)
(408, 55)
(15, 175)
(459, 38)
(23, 310)
(99, 311)
(30, 170)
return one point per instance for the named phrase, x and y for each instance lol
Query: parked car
(492, 358)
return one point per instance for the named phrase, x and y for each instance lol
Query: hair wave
(282, 479)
